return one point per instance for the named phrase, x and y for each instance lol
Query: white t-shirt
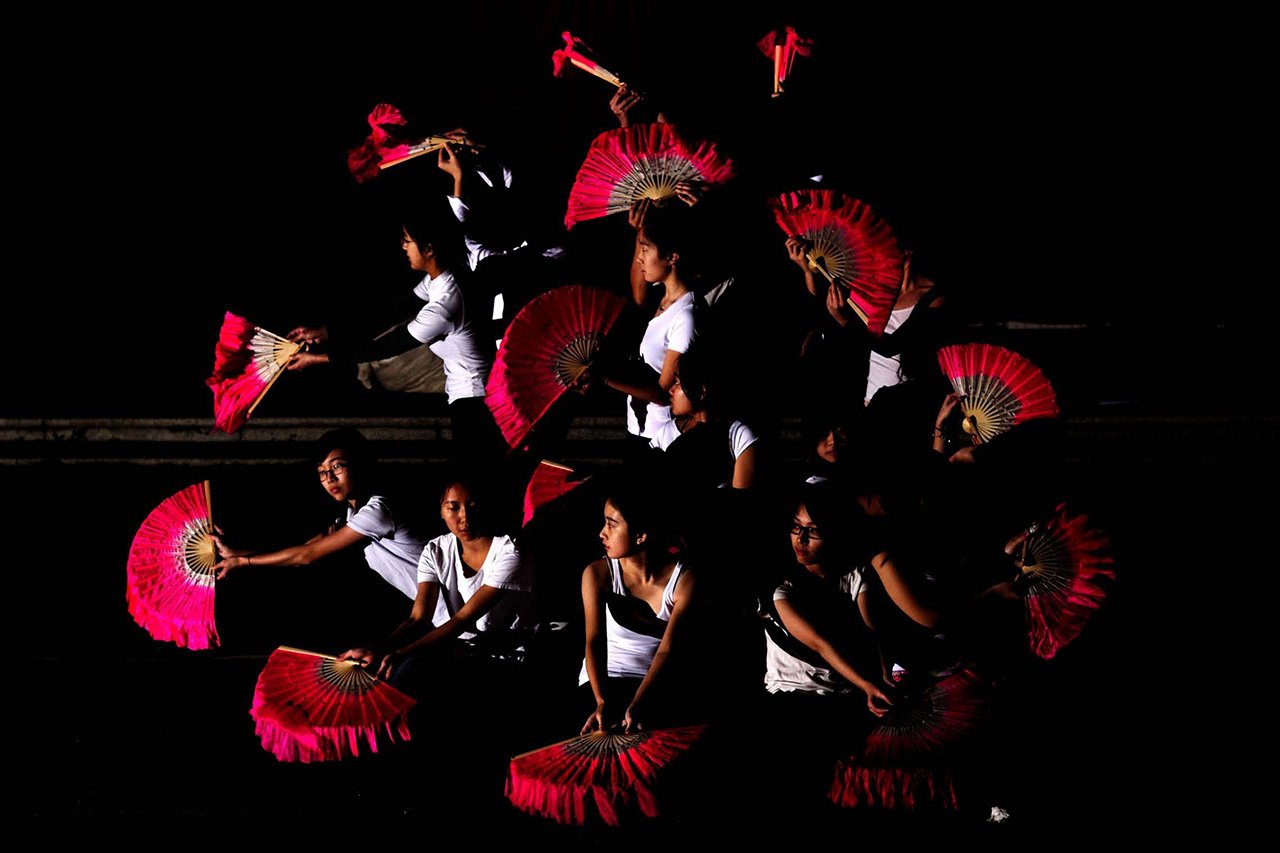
(886, 370)
(477, 251)
(443, 324)
(394, 551)
(785, 673)
(504, 568)
(673, 330)
(630, 653)
(741, 437)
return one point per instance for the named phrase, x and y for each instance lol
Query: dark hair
(830, 418)
(442, 233)
(671, 229)
(350, 441)
(694, 370)
(635, 500)
(477, 484)
(832, 508)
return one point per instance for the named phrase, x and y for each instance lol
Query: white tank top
(886, 370)
(630, 653)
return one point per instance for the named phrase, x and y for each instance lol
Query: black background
(1033, 163)
(1064, 167)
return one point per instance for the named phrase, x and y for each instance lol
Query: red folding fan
(547, 348)
(904, 760)
(999, 388)
(641, 161)
(549, 481)
(575, 52)
(169, 576)
(387, 127)
(783, 46)
(850, 245)
(246, 363)
(600, 776)
(427, 145)
(1066, 566)
(313, 707)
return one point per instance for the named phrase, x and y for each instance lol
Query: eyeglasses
(802, 531)
(333, 470)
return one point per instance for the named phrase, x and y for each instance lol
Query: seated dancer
(347, 473)
(442, 321)
(832, 457)
(346, 470)
(473, 586)
(702, 447)
(816, 639)
(821, 669)
(635, 601)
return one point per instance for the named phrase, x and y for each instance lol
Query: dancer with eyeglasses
(346, 470)
(822, 675)
(817, 639)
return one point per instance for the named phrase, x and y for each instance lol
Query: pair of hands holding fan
(367, 658)
(689, 192)
(598, 721)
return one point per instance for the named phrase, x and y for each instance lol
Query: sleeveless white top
(630, 654)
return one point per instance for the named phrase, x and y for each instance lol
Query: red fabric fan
(904, 759)
(549, 481)
(575, 52)
(386, 132)
(783, 46)
(641, 161)
(312, 707)
(1066, 566)
(246, 363)
(850, 244)
(547, 347)
(600, 776)
(999, 388)
(169, 577)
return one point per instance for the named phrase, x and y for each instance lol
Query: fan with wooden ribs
(850, 245)
(169, 583)
(576, 53)
(389, 144)
(627, 164)
(246, 363)
(546, 350)
(904, 762)
(312, 707)
(998, 388)
(1065, 567)
(598, 777)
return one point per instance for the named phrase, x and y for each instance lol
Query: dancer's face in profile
(653, 265)
(335, 475)
(616, 534)
(458, 509)
(416, 254)
(806, 538)
(680, 402)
